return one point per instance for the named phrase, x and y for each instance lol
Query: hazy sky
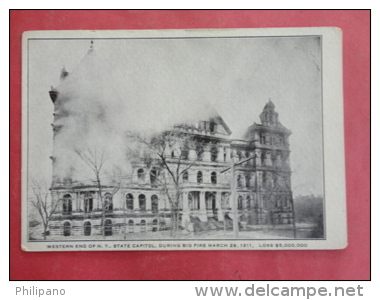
(157, 82)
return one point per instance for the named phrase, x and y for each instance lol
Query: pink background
(352, 263)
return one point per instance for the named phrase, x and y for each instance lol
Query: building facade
(142, 204)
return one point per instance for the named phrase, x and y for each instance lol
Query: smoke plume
(98, 103)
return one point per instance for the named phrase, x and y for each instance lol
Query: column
(136, 205)
(185, 201)
(267, 160)
(192, 154)
(185, 210)
(253, 180)
(228, 154)
(220, 154)
(256, 138)
(251, 161)
(134, 175)
(167, 203)
(259, 180)
(278, 160)
(234, 155)
(77, 201)
(192, 175)
(81, 201)
(161, 202)
(98, 201)
(206, 176)
(218, 205)
(206, 153)
(148, 202)
(258, 157)
(202, 200)
(202, 209)
(55, 199)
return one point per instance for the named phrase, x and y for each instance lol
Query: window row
(87, 227)
(185, 177)
(210, 198)
(200, 153)
(129, 201)
(271, 140)
(88, 203)
(153, 176)
(247, 203)
(213, 177)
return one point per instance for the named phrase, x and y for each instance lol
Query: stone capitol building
(140, 205)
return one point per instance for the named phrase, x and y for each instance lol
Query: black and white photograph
(183, 140)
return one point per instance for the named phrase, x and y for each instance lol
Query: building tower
(273, 174)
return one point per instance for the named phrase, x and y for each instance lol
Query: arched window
(225, 154)
(87, 228)
(142, 202)
(88, 202)
(240, 202)
(213, 178)
(214, 154)
(108, 228)
(185, 176)
(67, 204)
(108, 205)
(142, 226)
(154, 203)
(66, 229)
(154, 225)
(199, 177)
(141, 176)
(153, 177)
(129, 201)
(131, 226)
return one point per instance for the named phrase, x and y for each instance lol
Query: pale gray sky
(155, 82)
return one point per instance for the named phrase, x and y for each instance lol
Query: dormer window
(212, 127)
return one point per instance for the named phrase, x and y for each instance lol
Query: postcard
(209, 139)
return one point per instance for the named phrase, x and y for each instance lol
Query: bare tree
(169, 153)
(42, 204)
(95, 159)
